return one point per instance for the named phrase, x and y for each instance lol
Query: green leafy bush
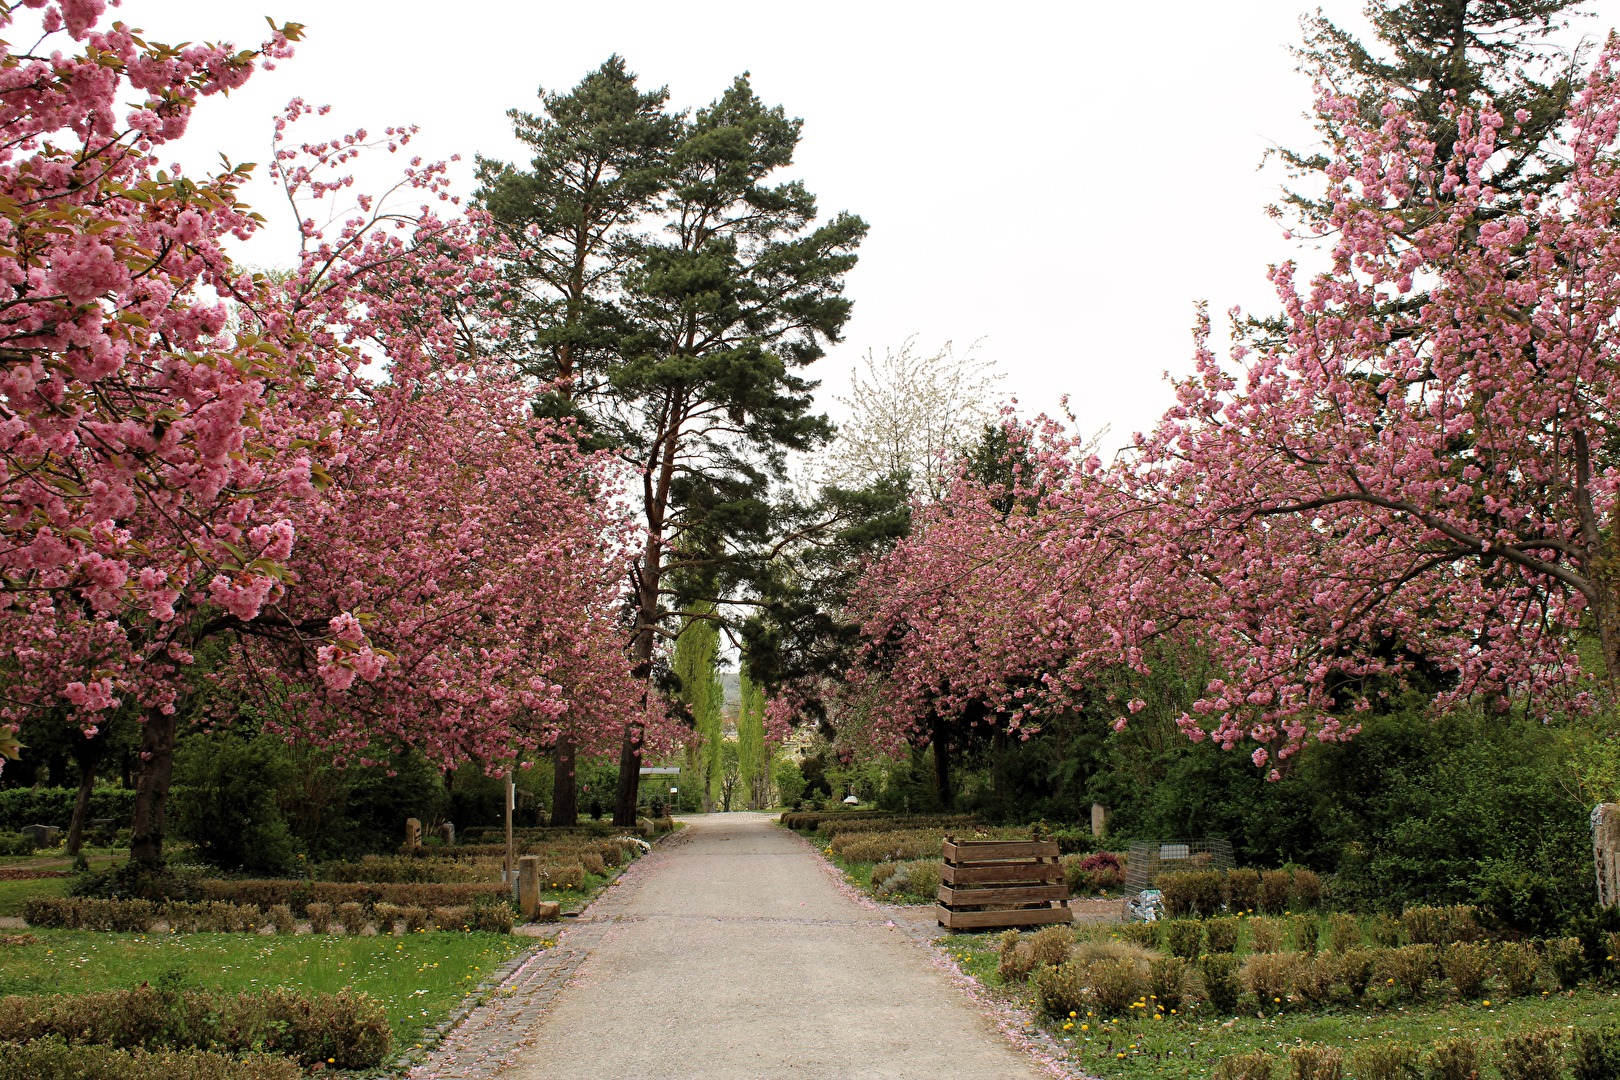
(224, 801)
(1305, 930)
(1536, 1054)
(53, 1059)
(1222, 983)
(21, 806)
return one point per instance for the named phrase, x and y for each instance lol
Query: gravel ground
(735, 953)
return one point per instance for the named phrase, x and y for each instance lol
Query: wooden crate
(997, 883)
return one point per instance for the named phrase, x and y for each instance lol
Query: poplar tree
(753, 765)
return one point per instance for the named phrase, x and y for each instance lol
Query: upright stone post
(413, 835)
(529, 885)
(447, 832)
(1606, 852)
(1099, 819)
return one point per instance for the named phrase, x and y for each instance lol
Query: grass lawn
(419, 978)
(13, 893)
(1188, 1047)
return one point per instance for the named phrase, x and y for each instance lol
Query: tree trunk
(565, 784)
(998, 765)
(942, 766)
(624, 803)
(152, 788)
(81, 807)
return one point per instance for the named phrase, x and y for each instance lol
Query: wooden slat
(979, 920)
(1023, 894)
(971, 850)
(1005, 874)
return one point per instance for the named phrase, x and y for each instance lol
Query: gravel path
(731, 953)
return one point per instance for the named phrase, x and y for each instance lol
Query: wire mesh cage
(1150, 858)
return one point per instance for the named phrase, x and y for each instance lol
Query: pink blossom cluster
(1388, 484)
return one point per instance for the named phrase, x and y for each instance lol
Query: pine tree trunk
(565, 784)
(152, 788)
(81, 806)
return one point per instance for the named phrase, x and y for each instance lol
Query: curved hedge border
(345, 1030)
(53, 1059)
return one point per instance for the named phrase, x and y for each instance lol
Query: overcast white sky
(1062, 181)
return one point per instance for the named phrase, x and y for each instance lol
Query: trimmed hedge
(53, 1059)
(218, 916)
(54, 806)
(298, 895)
(347, 1030)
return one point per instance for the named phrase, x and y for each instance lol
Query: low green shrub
(1305, 890)
(352, 917)
(458, 917)
(1052, 945)
(1566, 960)
(1406, 970)
(1319, 979)
(593, 862)
(1060, 990)
(1535, 1054)
(1115, 984)
(1458, 1058)
(140, 916)
(1387, 1061)
(1383, 932)
(1145, 934)
(1191, 892)
(1270, 977)
(53, 1059)
(1306, 930)
(493, 918)
(1221, 935)
(1265, 935)
(924, 877)
(1275, 887)
(1167, 981)
(15, 844)
(346, 1029)
(1017, 958)
(1518, 963)
(1467, 966)
(1310, 1062)
(1184, 938)
(1242, 889)
(1343, 932)
(1595, 1053)
(1255, 1065)
(1356, 967)
(1222, 983)
(281, 917)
